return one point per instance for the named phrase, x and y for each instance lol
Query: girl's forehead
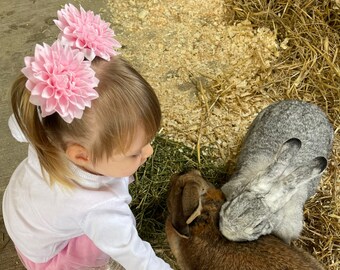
(138, 140)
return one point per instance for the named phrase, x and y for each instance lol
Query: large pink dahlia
(87, 32)
(60, 80)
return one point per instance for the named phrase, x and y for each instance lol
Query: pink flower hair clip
(87, 32)
(60, 80)
(59, 77)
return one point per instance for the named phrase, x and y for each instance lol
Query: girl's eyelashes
(136, 155)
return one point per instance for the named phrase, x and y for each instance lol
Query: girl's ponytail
(52, 159)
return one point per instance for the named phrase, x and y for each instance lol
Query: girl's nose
(147, 151)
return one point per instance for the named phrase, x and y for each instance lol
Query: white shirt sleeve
(111, 226)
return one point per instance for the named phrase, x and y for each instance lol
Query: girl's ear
(78, 154)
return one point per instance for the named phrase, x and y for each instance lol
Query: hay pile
(215, 65)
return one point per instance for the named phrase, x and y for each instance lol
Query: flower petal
(87, 32)
(60, 80)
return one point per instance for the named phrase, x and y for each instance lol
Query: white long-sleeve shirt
(41, 219)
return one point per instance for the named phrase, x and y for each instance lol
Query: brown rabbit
(193, 234)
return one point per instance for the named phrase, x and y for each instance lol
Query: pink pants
(79, 254)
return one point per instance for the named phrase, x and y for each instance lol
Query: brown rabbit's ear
(186, 202)
(191, 201)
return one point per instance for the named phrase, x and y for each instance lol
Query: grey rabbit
(195, 239)
(279, 167)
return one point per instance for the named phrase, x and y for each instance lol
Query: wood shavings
(178, 45)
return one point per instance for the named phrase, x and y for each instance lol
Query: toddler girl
(89, 118)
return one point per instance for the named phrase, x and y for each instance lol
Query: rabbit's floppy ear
(175, 206)
(193, 190)
(191, 200)
(286, 187)
(184, 201)
(283, 157)
(271, 175)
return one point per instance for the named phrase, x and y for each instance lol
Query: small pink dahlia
(87, 32)
(60, 80)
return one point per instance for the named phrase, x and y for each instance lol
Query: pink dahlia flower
(60, 80)
(87, 32)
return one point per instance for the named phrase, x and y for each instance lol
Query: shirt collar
(90, 180)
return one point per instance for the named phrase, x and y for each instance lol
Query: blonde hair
(126, 101)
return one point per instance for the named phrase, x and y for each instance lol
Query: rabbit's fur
(197, 244)
(279, 167)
